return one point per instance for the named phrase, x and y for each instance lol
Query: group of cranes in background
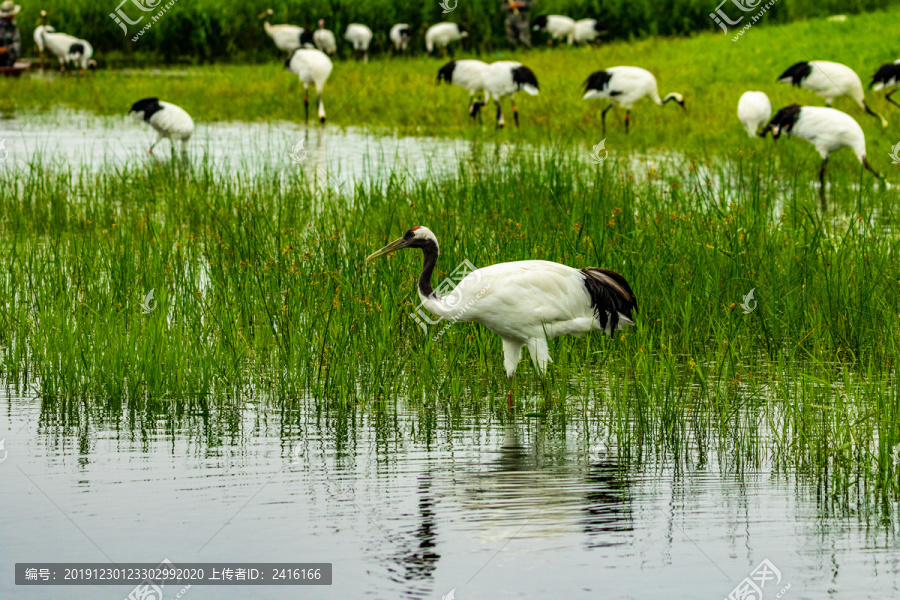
(289, 38)
(826, 128)
(559, 27)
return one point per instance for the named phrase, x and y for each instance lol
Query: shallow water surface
(328, 155)
(411, 503)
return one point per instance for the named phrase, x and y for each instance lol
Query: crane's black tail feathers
(611, 296)
(888, 74)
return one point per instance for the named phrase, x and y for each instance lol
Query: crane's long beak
(395, 245)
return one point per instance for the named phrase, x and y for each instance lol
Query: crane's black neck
(430, 250)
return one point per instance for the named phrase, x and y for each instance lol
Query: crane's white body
(829, 129)
(313, 68)
(832, 80)
(586, 31)
(38, 39)
(286, 37)
(626, 86)
(400, 41)
(441, 35)
(525, 303)
(499, 82)
(754, 111)
(61, 45)
(325, 41)
(170, 122)
(359, 37)
(469, 74)
(559, 27)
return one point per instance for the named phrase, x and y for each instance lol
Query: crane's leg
(305, 103)
(866, 164)
(512, 354)
(321, 107)
(153, 145)
(889, 99)
(603, 117)
(884, 122)
(822, 183)
(627, 119)
(515, 110)
(184, 152)
(500, 122)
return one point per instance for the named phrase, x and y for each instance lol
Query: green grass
(263, 289)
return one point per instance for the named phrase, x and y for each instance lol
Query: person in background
(9, 34)
(518, 22)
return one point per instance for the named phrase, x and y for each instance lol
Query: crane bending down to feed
(359, 37)
(505, 78)
(525, 302)
(467, 74)
(67, 49)
(313, 68)
(557, 27)
(828, 129)
(588, 30)
(400, 34)
(168, 120)
(829, 80)
(887, 77)
(442, 35)
(754, 111)
(623, 86)
(286, 37)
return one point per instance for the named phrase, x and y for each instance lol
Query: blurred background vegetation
(198, 31)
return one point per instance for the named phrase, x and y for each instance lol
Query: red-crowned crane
(623, 86)
(505, 78)
(400, 34)
(467, 74)
(830, 80)
(588, 30)
(286, 37)
(359, 37)
(67, 49)
(887, 78)
(754, 111)
(828, 129)
(168, 120)
(313, 68)
(558, 27)
(442, 35)
(324, 39)
(525, 302)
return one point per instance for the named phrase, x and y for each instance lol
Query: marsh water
(405, 500)
(415, 503)
(328, 156)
